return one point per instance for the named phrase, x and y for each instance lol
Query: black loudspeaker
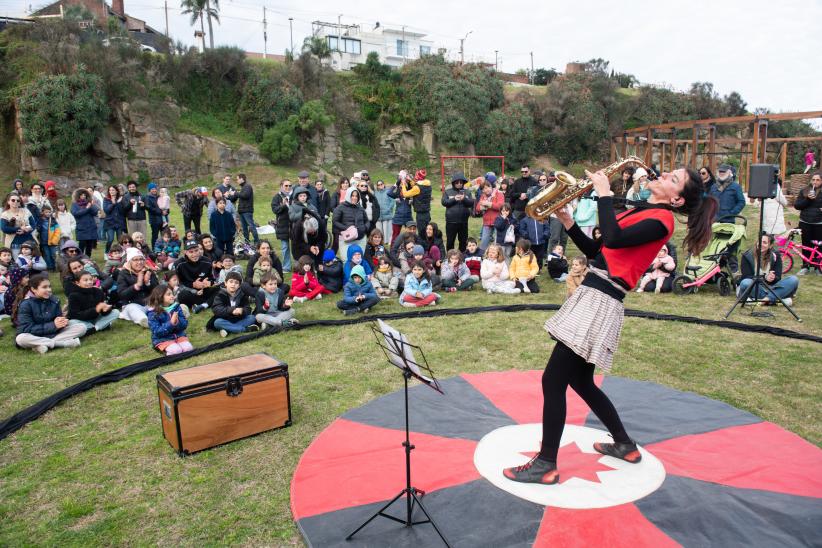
(763, 181)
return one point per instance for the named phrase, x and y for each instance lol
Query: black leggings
(565, 369)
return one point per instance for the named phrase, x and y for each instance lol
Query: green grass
(217, 127)
(97, 469)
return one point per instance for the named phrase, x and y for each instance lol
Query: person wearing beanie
(156, 214)
(731, 202)
(422, 201)
(458, 204)
(51, 193)
(639, 191)
(135, 283)
(491, 177)
(359, 295)
(330, 272)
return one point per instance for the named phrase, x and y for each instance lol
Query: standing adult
(135, 208)
(323, 201)
(458, 204)
(731, 202)
(97, 197)
(85, 212)
(303, 180)
(518, 193)
(17, 224)
(708, 179)
(191, 205)
(403, 192)
(369, 204)
(773, 217)
(36, 196)
(339, 195)
(245, 207)
(350, 223)
(51, 193)
(279, 206)
(114, 223)
(155, 212)
(587, 327)
(308, 236)
(422, 201)
(489, 201)
(809, 204)
(387, 205)
(135, 283)
(810, 160)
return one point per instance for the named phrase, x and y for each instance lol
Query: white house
(350, 44)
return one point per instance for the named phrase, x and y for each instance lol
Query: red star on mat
(574, 463)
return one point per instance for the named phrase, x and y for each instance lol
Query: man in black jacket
(196, 279)
(303, 180)
(458, 204)
(279, 207)
(135, 207)
(245, 208)
(323, 200)
(518, 193)
(155, 214)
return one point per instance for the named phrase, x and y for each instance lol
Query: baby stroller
(243, 249)
(712, 265)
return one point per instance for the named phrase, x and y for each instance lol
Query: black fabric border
(35, 411)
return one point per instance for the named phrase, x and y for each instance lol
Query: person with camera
(458, 204)
(134, 204)
(809, 204)
(770, 268)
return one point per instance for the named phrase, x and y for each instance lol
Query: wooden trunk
(209, 405)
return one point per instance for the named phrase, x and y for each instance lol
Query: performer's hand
(565, 217)
(602, 185)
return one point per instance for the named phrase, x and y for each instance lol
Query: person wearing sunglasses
(518, 193)
(17, 224)
(707, 177)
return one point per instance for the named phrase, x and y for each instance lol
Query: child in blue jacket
(167, 322)
(418, 289)
(359, 294)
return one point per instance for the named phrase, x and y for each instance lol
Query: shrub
(280, 143)
(62, 115)
(267, 100)
(509, 131)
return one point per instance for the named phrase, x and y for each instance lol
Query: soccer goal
(471, 166)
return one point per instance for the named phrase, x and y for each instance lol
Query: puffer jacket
(127, 292)
(115, 216)
(86, 218)
(245, 201)
(163, 330)
(279, 207)
(36, 316)
(386, 204)
(348, 214)
(402, 213)
(810, 210)
(422, 201)
(457, 211)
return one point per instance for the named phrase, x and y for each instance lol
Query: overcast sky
(768, 50)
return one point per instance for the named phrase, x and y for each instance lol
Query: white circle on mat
(587, 480)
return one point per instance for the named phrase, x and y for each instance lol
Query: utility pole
(462, 44)
(404, 45)
(531, 79)
(339, 36)
(265, 36)
(166, 8)
(291, 31)
(496, 60)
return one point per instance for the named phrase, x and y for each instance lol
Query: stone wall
(136, 141)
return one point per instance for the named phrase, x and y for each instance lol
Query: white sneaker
(318, 297)
(788, 301)
(802, 272)
(525, 288)
(223, 333)
(409, 305)
(70, 343)
(299, 299)
(516, 291)
(490, 291)
(41, 349)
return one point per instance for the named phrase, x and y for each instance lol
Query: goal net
(471, 166)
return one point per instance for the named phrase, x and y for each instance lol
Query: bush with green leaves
(62, 115)
(282, 142)
(508, 131)
(268, 98)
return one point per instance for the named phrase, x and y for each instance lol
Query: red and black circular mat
(712, 474)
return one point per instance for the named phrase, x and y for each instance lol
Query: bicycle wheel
(787, 263)
(679, 285)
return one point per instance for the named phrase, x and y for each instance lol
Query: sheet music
(401, 354)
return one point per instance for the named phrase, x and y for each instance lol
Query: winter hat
(418, 250)
(412, 222)
(640, 172)
(402, 175)
(151, 186)
(328, 255)
(458, 176)
(69, 244)
(358, 270)
(491, 177)
(420, 175)
(300, 190)
(131, 253)
(724, 167)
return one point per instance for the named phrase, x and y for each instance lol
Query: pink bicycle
(787, 248)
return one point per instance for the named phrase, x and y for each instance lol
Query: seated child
(473, 257)
(428, 263)
(29, 261)
(524, 268)
(661, 268)
(579, 268)
(304, 284)
(162, 248)
(386, 278)
(406, 257)
(494, 272)
(418, 290)
(5, 282)
(455, 273)
(87, 305)
(41, 325)
(114, 261)
(172, 280)
(358, 293)
(356, 257)
(273, 306)
(330, 272)
(167, 322)
(229, 266)
(557, 264)
(232, 308)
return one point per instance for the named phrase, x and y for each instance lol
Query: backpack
(54, 234)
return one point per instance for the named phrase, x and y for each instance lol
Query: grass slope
(97, 469)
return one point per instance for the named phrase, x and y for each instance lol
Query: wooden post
(649, 147)
(694, 148)
(613, 149)
(687, 157)
(662, 159)
(764, 138)
(712, 149)
(673, 149)
(783, 162)
(625, 144)
(744, 163)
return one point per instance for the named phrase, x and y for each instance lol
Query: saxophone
(566, 189)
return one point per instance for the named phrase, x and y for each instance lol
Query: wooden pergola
(642, 141)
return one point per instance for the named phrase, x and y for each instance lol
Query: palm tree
(198, 9)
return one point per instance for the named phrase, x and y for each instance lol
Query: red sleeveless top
(627, 265)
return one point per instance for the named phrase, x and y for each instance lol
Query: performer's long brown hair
(700, 210)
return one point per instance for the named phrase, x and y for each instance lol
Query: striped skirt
(589, 323)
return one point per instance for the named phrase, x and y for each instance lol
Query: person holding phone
(458, 205)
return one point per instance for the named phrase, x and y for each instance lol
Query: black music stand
(400, 353)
